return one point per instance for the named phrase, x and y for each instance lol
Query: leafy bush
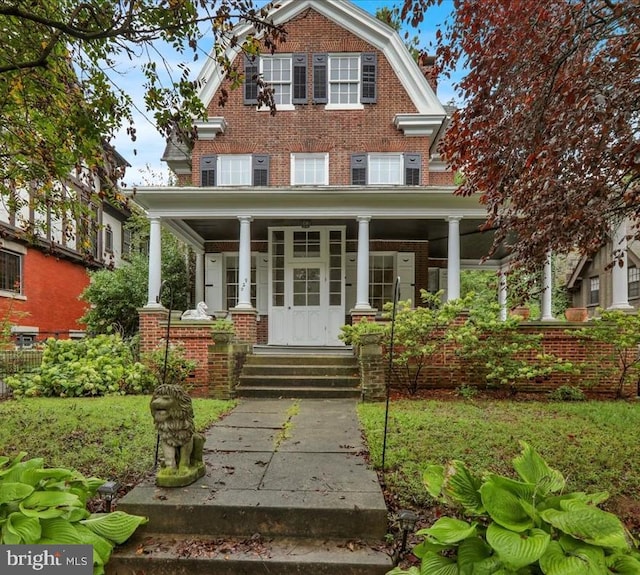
(48, 506)
(352, 334)
(612, 341)
(499, 353)
(523, 526)
(567, 393)
(102, 365)
(420, 333)
(466, 391)
(178, 367)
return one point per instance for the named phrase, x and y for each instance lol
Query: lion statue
(181, 446)
(199, 313)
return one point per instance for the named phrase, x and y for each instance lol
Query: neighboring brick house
(303, 219)
(42, 275)
(608, 280)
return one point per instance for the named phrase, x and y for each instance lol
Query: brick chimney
(428, 66)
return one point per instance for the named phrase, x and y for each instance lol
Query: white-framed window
(344, 80)
(382, 276)
(276, 71)
(634, 281)
(234, 170)
(10, 272)
(231, 271)
(382, 168)
(108, 239)
(594, 290)
(285, 74)
(309, 169)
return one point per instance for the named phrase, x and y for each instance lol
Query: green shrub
(567, 393)
(102, 365)
(523, 526)
(352, 334)
(466, 391)
(48, 506)
(177, 369)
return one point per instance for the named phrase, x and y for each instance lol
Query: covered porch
(292, 265)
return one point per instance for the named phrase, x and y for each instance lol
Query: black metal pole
(396, 294)
(164, 285)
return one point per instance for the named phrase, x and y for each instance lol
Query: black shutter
(369, 67)
(299, 79)
(260, 170)
(208, 171)
(320, 80)
(251, 80)
(412, 169)
(359, 170)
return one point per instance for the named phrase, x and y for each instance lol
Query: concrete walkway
(292, 471)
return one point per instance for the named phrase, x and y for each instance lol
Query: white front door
(307, 286)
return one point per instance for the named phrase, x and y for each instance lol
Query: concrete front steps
(300, 373)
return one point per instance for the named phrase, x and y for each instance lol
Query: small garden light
(108, 491)
(407, 520)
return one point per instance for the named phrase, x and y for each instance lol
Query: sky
(144, 154)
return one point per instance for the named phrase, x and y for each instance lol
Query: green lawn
(596, 445)
(107, 437)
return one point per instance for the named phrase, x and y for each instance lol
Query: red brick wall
(51, 287)
(310, 128)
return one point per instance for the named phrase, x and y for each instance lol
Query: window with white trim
(10, 272)
(386, 169)
(381, 278)
(234, 170)
(309, 169)
(231, 265)
(108, 239)
(285, 74)
(634, 281)
(594, 290)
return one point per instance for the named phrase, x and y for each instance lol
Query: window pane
(277, 73)
(234, 170)
(10, 272)
(385, 169)
(309, 170)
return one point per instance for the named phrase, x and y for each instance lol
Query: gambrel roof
(362, 24)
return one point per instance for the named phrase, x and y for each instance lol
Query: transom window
(309, 169)
(634, 281)
(306, 244)
(10, 272)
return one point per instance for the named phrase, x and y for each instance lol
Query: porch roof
(198, 214)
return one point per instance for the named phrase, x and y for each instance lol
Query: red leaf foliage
(548, 133)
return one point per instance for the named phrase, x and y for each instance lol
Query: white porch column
(619, 273)
(453, 259)
(502, 294)
(362, 287)
(244, 264)
(155, 263)
(547, 290)
(199, 287)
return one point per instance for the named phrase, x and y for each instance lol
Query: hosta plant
(523, 526)
(48, 506)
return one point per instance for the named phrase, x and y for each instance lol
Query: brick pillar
(226, 359)
(372, 371)
(246, 325)
(153, 327)
(357, 315)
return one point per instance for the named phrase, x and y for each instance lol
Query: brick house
(43, 274)
(302, 220)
